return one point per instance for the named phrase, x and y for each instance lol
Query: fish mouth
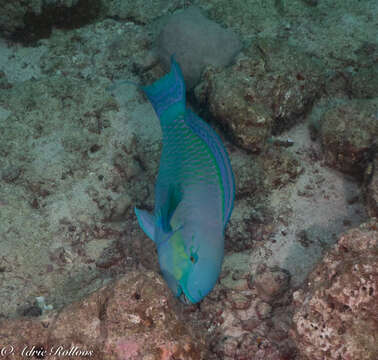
(184, 299)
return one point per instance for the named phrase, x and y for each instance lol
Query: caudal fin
(167, 95)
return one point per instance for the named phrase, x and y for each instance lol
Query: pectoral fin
(146, 222)
(170, 204)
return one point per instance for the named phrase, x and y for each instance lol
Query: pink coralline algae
(248, 317)
(133, 318)
(337, 315)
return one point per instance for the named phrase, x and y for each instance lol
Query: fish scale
(185, 157)
(187, 163)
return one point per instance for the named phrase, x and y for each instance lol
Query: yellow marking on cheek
(177, 273)
(180, 257)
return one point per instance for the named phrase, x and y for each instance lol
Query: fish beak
(184, 299)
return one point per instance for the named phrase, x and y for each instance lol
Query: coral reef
(336, 314)
(131, 318)
(79, 148)
(266, 90)
(348, 130)
(248, 315)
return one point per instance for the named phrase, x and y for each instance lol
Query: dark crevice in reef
(39, 26)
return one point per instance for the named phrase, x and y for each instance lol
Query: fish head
(191, 262)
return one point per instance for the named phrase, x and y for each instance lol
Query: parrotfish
(194, 193)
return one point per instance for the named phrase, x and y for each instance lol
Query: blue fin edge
(146, 222)
(167, 91)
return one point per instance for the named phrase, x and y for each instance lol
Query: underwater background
(290, 87)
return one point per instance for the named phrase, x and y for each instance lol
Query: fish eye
(193, 257)
(193, 254)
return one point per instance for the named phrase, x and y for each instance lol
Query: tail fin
(167, 95)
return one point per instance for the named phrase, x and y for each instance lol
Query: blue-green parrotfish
(194, 193)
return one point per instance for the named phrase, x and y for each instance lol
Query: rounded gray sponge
(196, 43)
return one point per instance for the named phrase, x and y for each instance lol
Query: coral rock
(270, 283)
(265, 90)
(337, 316)
(131, 318)
(348, 131)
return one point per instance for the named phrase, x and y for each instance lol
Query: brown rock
(348, 131)
(337, 315)
(235, 107)
(130, 318)
(281, 167)
(266, 90)
(247, 346)
(242, 326)
(270, 283)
